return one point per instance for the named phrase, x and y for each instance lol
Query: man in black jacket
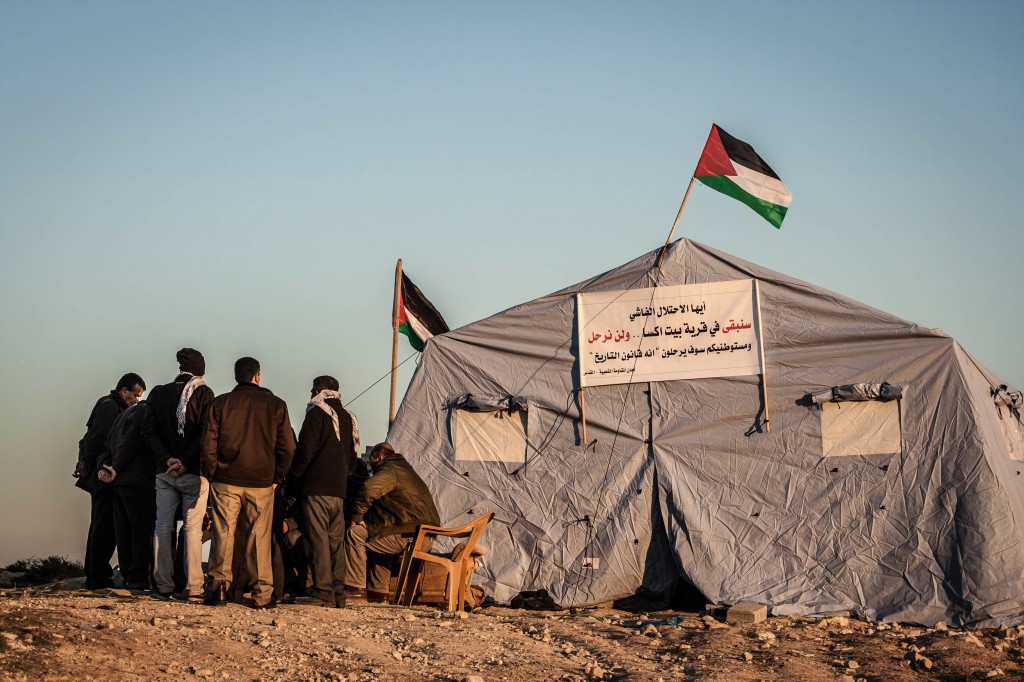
(172, 428)
(99, 547)
(130, 475)
(323, 459)
(247, 448)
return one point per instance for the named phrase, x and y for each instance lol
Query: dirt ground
(59, 634)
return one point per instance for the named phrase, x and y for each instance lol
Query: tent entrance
(665, 583)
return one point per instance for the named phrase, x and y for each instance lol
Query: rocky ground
(55, 634)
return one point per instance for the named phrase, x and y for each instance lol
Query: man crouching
(385, 514)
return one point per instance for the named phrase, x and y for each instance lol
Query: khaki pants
(256, 505)
(375, 558)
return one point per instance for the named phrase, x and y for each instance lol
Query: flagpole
(394, 340)
(675, 222)
(764, 369)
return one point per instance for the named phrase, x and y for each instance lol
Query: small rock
(472, 678)
(264, 643)
(995, 673)
(766, 636)
(971, 639)
(397, 655)
(277, 623)
(411, 618)
(918, 661)
(713, 624)
(651, 631)
(852, 665)
(597, 673)
(941, 625)
(747, 656)
(203, 672)
(463, 615)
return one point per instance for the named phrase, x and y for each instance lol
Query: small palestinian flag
(733, 168)
(417, 317)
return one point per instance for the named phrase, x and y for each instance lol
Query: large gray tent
(682, 481)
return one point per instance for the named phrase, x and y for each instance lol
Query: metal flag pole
(394, 340)
(675, 222)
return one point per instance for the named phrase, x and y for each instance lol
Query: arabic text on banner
(688, 331)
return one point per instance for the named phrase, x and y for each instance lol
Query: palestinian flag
(417, 317)
(733, 168)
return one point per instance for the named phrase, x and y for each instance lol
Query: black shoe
(313, 601)
(217, 597)
(272, 604)
(99, 585)
(355, 594)
(339, 601)
(162, 596)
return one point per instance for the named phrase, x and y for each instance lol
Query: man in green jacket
(385, 514)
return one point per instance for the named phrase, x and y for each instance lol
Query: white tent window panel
(490, 436)
(1014, 433)
(869, 427)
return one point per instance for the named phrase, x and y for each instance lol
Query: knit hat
(192, 361)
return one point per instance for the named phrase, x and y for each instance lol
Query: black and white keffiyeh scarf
(318, 401)
(193, 383)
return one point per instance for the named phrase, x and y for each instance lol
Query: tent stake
(675, 222)
(394, 340)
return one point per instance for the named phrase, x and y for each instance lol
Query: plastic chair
(459, 570)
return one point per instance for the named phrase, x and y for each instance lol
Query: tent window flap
(1013, 431)
(857, 393)
(860, 428)
(490, 429)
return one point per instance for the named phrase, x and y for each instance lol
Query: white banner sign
(686, 331)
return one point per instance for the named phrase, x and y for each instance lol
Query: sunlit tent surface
(908, 508)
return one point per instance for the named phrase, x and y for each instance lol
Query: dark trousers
(325, 536)
(100, 543)
(134, 519)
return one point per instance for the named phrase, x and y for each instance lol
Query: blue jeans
(189, 491)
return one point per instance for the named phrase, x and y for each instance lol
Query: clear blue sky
(241, 177)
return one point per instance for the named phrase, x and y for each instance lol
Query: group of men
(233, 463)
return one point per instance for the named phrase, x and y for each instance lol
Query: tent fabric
(858, 392)
(679, 480)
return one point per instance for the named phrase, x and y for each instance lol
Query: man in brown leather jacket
(248, 445)
(385, 513)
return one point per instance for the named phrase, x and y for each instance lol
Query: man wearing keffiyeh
(172, 428)
(328, 443)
